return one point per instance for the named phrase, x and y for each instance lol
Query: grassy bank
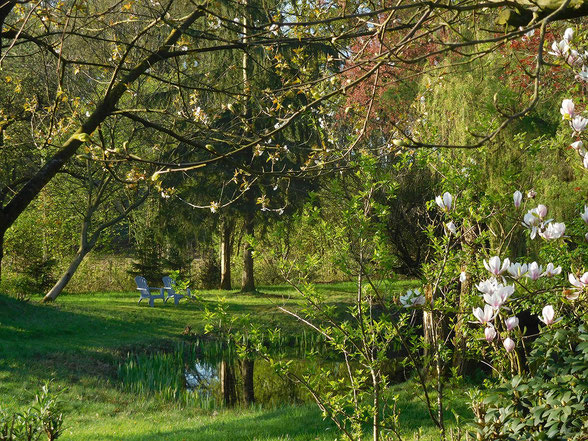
(79, 341)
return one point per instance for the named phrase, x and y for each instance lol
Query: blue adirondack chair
(169, 287)
(145, 291)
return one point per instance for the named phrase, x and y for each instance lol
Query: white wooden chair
(145, 291)
(169, 286)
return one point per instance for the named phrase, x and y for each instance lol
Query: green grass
(79, 341)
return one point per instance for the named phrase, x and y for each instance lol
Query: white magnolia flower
(500, 295)
(504, 291)
(583, 74)
(568, 35)
(462, 277)
(574, 58)
(554, 230)
(581, 282)
(490, 333)
(412, 298)
(577, 146)
(567, 109)
(550, 271)
(495, 300)
(451, 228)
(559, 49)
(517, 270)
(511, 323)
(541, 211)
(509, 344)
(517, 197)
(530, 219)
(485, 315)
(584, 215)
(445, 202)
(579, 123)
(493, 265)
(488, 286)
(548, 315)
(534, 271)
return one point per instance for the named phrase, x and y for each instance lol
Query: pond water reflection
(210, 375)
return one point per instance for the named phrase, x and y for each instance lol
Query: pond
(210, 375)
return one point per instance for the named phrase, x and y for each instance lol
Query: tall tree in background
(124, 52)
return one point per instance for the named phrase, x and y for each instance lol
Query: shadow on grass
(57, 342)
(296, 423)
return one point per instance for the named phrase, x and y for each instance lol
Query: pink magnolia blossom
(509, 344)
(541, 211)
(517, 198)
(579, 123)
(493, 265)
(581, 282)
(485, 315)
(490, 333)
(567, 109)
(535, 271)
(488, 286)
(511, 323)
(559, 49)
(495, 300)
(568, 35)
(504, 291)
(548, 315)
(553, 231)
(500, 295)
(550, 271)
(574, 58)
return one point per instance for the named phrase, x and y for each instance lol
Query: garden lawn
(79, 341)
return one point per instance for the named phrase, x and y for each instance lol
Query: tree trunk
(66, 276)
(459, 339)
(524, 12)
(1, 252)
(248, 281)
(227, 379)
(226, 246)
(247, 367)
(428, 330)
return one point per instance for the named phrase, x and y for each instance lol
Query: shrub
(43, 417)
(551, 402)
